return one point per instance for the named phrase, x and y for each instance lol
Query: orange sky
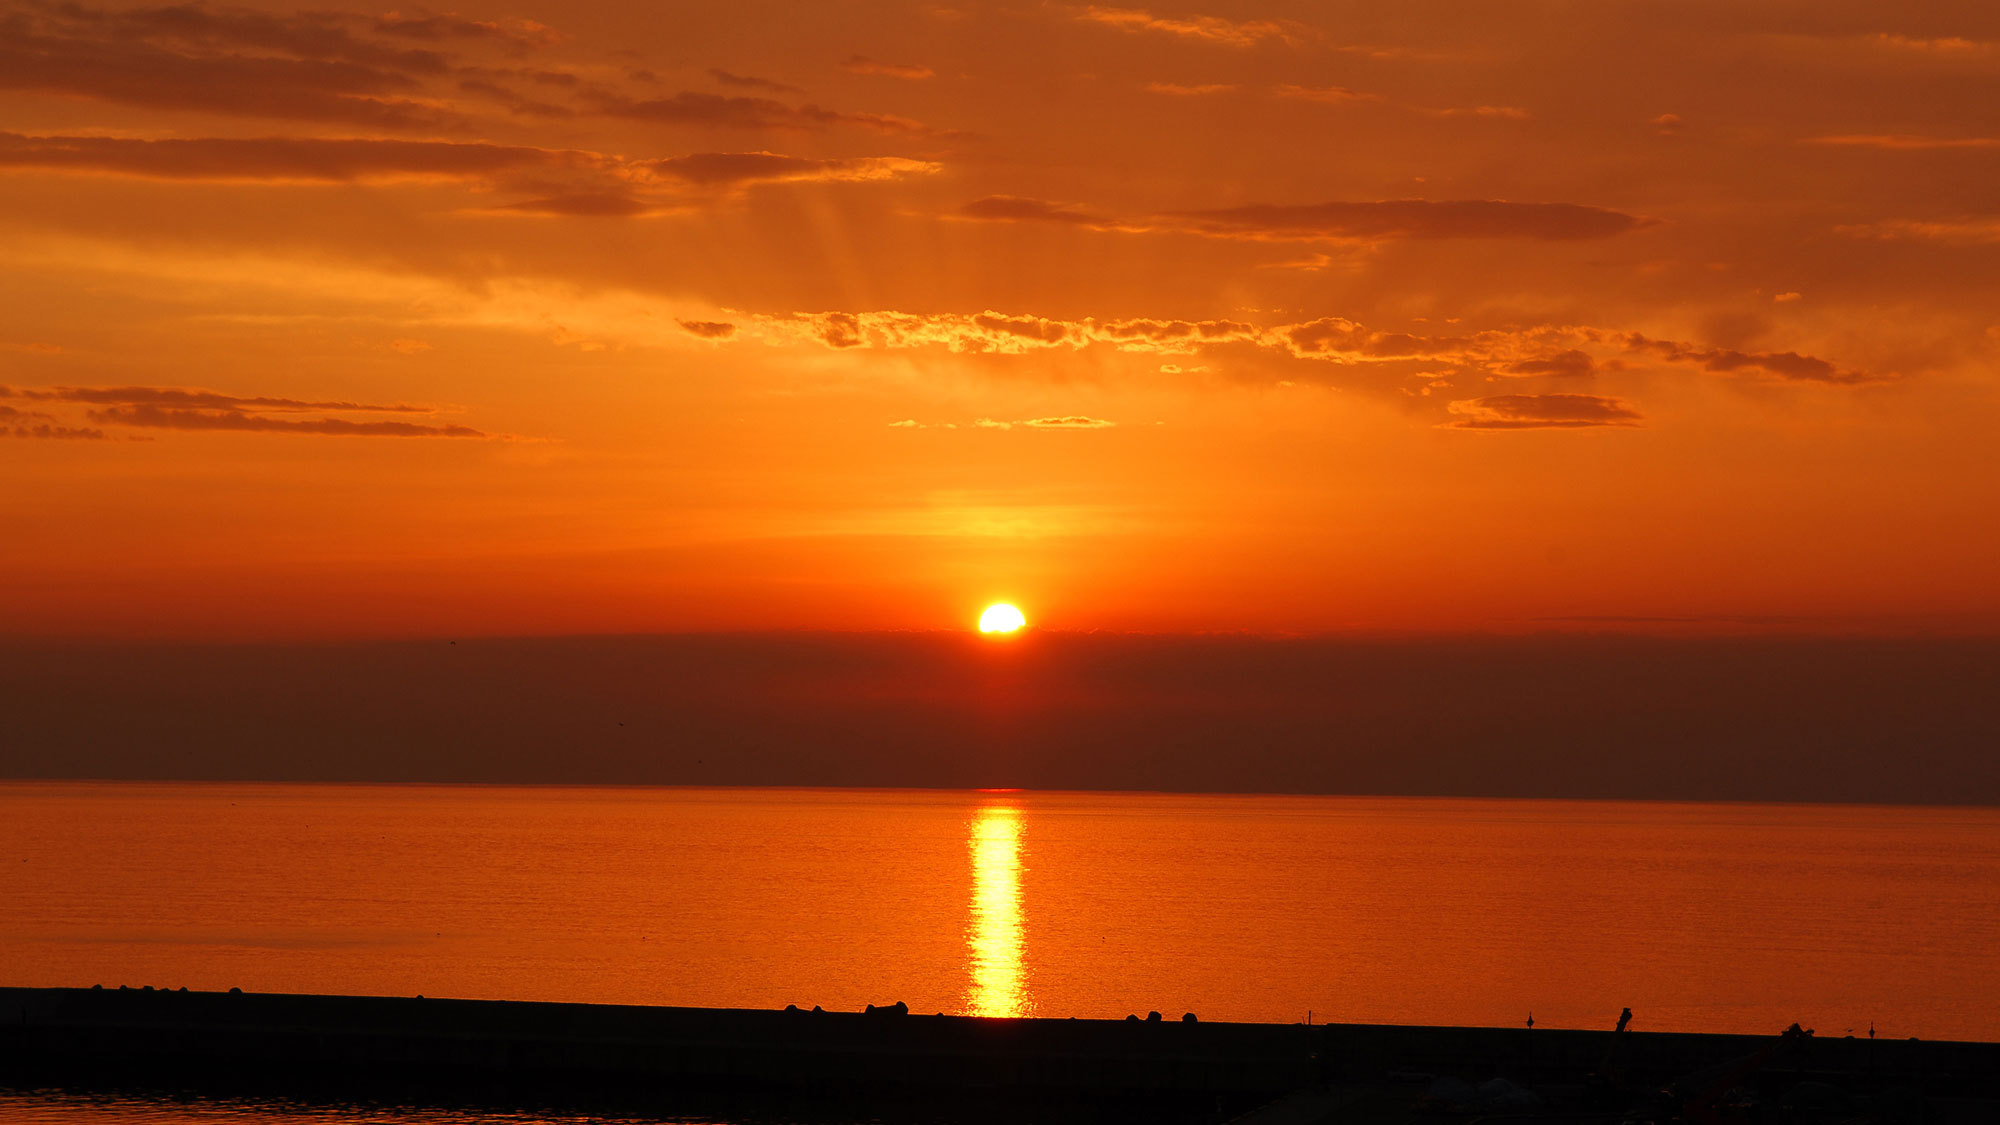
(539, 318)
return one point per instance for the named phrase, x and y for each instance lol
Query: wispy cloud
(33, 424)
(1783, 365)
(1958, 232)
(727, 111)
(1179, 90)
(1901, 142)
(280, 158)
(1209, 29)
(157, 417)
(185, 408)
(862, 64)
(751, 82)
(1541, 412)
(1068, 422)
(1331, 95)
(730, 168)
(1367, 221)
(1411, 218)
(195, 398)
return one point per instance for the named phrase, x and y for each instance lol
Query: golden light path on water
(994, 935)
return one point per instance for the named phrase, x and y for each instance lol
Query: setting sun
(1001, 618)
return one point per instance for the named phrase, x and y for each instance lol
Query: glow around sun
(1001, 618)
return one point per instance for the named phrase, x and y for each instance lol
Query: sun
(1001, 618)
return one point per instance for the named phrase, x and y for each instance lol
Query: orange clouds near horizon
(526, 319)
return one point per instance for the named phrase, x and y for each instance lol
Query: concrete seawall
(112, 1035)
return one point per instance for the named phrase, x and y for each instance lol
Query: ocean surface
(1699, 917)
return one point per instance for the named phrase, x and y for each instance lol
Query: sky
(1349, 319)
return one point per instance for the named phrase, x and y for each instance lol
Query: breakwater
(111, 1035)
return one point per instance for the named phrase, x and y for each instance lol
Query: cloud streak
(1411, 219)
(157, 417)
(302, 68)
(184, 408)
(1569, 353)
(197, 399)
(731, 111)
(280, 158)
(1541, 412)
(1359, 222)
(862, 64)
(710, 169)
(1901, 142)
(1206, 29)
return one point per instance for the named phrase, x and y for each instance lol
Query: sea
(1698, 917)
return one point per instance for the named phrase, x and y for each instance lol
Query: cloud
(1901, 142)
(751, 82)
(1348, 222)
(1956, 232)
(156, 417)
(1170, 336)
(1783, 365)
(512, 101)
(1539, 350)
(185, 408)
(438, 29)
(1176, 89)
(46, 431)
(742, 112)
(1211, 29)
(1508, 112)
(1000, 333)
(1342, 95)
(195, 398)
(279, 158)
(1569, 364)
(1069, 422)
(306, 35)
(708, 329)
(585, 205)
(306, 67)
(37, 425)
(1787, 298)
(1540, 412)
(597, 185)
(1949, 45)
(1410, 218)
(1344, 341)
(711, 169)
(1014, 208)
(1668, 124)
(1332, 95)
(861, 64)
(1065, 422)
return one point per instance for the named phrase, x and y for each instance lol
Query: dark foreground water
(56, 1107)
(1738, 918)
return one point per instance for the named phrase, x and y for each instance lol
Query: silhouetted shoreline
(661, 1058)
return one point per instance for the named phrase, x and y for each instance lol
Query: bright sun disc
(1002, 618)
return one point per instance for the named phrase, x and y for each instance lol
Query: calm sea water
(1737, 918)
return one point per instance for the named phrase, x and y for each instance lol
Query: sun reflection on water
(994, 936)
